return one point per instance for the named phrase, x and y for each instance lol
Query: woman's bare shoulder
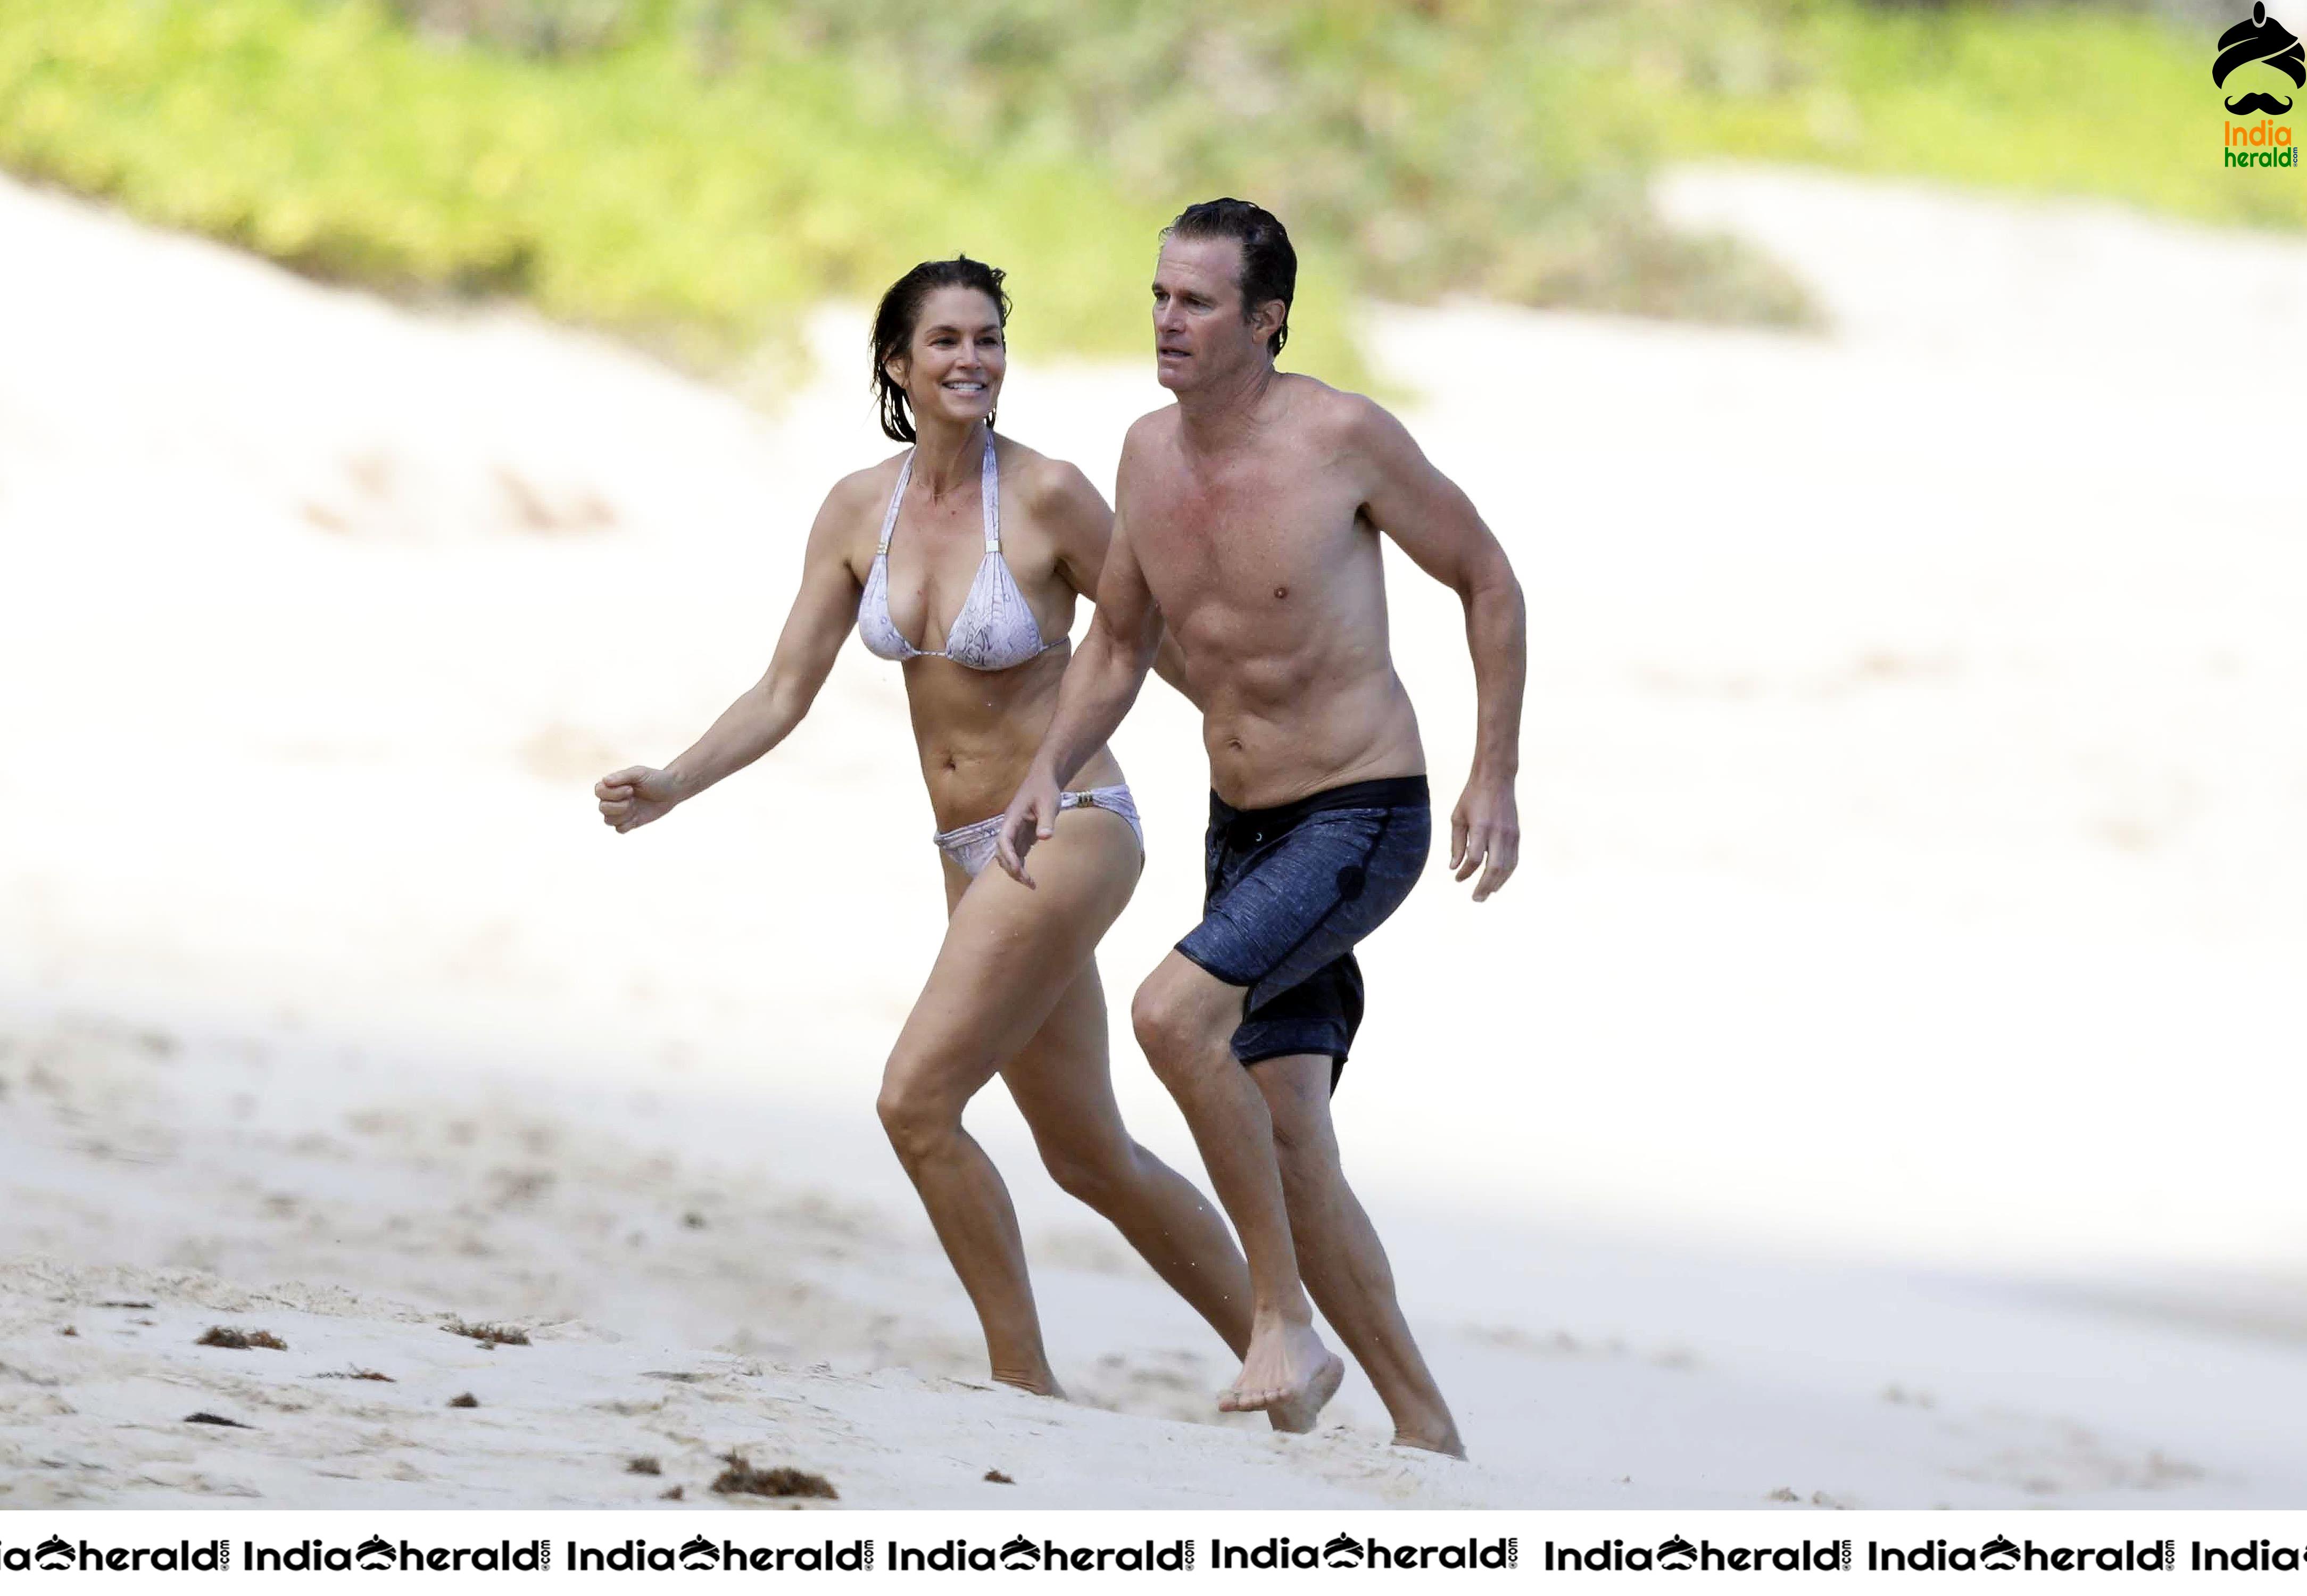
(1047, 486)
(859, 498)
(867, 484)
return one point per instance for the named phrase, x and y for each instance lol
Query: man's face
(1199, 335)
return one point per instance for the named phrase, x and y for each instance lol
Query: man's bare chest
(1245, 540)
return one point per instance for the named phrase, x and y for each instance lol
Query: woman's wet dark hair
(1269, 264)
(901, 314)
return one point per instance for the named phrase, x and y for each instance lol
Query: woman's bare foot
(1287, 1367)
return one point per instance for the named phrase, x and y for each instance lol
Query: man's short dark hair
(1269, 266)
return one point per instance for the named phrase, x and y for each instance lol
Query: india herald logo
(2261, 39)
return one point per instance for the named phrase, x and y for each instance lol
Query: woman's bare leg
(1063, 1085)
(1011, 953)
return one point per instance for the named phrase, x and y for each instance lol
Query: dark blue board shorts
(1287, 893)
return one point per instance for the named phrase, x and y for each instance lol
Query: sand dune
(1873, 1092)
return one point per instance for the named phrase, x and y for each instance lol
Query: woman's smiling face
(954, 367)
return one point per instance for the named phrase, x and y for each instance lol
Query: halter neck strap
(889, 521)
(989, 487)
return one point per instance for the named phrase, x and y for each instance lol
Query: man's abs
(1286, 644)
(1272, 582)
(1265, 753)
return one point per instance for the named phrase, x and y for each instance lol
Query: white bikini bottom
(971, 846)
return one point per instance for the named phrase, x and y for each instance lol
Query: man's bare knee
(1306, 1155)
(1173, 1028)
(1298, 1103)
(1096, 1176)
(1155, 1015)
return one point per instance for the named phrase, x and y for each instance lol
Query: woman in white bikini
(980, 528)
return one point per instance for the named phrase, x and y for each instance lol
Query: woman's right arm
(765, 714)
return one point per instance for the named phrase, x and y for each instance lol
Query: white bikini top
(995, 628)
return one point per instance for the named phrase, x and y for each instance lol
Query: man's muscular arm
(1437, 526)
(1101, 683)
(1085, 528)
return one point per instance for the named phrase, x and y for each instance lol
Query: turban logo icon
(2261, 38)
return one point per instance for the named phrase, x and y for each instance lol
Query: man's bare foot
(1287, 1367)
(1296, 1416)
(1044, 1383)
(1445, 1442)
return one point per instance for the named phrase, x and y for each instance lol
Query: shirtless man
(1249, 520)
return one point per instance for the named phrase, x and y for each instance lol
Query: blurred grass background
(697, 173)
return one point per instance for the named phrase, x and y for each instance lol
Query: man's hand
(636, 795)
(1031, 817)
(1485, 834)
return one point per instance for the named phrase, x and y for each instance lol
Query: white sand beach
(1876, 1089)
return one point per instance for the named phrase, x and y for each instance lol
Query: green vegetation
(2087, 101)
(629, 188)
(1443, 146)
(694, 172)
